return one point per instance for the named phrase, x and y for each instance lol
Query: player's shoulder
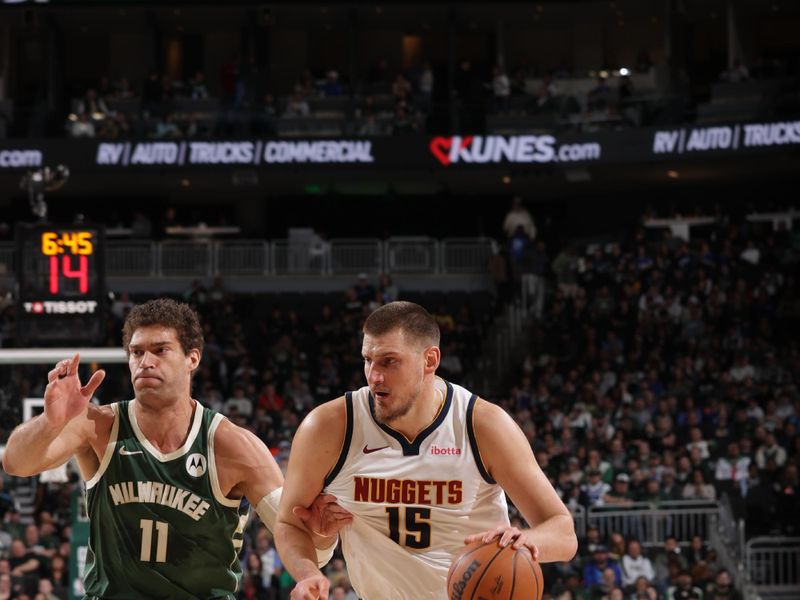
(485, 410)
(327, 416)
(490, 421)
(236, 447)
(230, 436)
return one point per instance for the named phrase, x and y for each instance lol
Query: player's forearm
(296, 549)
(555, 538)
(267, 509)
(29, 448)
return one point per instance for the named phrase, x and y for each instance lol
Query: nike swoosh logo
(371, 450)
(123, 452)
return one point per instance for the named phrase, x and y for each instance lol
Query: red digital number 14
(81, 273)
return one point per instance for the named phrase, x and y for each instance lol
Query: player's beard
(387, 415)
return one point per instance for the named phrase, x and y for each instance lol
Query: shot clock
(60, 280)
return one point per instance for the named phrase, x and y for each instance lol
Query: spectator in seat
(519, 216)
(722, 588)
(426, 87)
(402, 122)
(264, 116)
(593, 572)
(298, 105)
(401, 88)
(787, 492)
(167, 128)
(332, 87)
(697, 441)
(620, 494)
(670, 490)
(82, 127)
(5, 587)
(242, 404)
(732, 467)
(636, 565)
(501, 88)
(197, 86)
(589, 543)
(684, 589)
(599, 96)
(671, 558)
(92, 104)
(388, 290)
(565, 266)
(698, 489)
(547, 93)
(46, 590)
(770, 449)
(23, 561)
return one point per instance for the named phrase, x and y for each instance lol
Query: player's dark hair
(415, 322)
(167, 313)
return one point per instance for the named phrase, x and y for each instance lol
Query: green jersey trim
(160, 456)
(212, 466)
(111, 446)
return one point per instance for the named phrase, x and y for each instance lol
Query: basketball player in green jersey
(165, 476)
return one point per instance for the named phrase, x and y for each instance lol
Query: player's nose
(374, 375)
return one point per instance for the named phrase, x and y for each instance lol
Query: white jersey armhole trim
(160, 456)
(212, 466)
(111, 446)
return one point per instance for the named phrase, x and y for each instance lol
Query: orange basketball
(489, 571)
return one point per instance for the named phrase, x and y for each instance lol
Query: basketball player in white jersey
(422, 464)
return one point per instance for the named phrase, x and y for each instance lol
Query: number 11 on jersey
(147, 540)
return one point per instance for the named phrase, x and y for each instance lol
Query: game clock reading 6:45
(60, 281)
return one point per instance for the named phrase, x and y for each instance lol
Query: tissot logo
(196, 465)
(61, 307)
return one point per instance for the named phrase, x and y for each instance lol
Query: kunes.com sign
(726, 137)
(16, 159)
(234, 153)
(493, 149)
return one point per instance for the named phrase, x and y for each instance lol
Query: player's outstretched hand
(324, 517)
(506, 534)
(64, 397)
(311, 588)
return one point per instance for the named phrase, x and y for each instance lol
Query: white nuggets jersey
(413, 501)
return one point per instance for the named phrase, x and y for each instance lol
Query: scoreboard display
(60, 283)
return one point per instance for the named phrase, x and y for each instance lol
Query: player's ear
(432, 357)
(194, 358)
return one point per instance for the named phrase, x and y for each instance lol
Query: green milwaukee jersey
(160, 526)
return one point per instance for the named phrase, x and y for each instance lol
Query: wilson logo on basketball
(196, 465)
(459, 586)
(436, 450)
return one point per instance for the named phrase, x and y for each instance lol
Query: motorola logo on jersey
(196, 465)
